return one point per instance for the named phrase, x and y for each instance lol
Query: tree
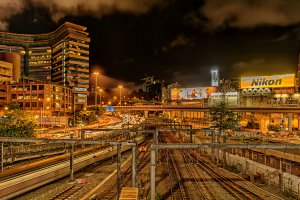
(222, 117)
(252, 123)
(87, 116)
(17, 123)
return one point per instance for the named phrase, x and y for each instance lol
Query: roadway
(198, 108)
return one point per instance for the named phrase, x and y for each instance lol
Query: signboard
(231, 98)
(256, 92)
(178, 94)
(110, 108)
(191, 93)
(274, 81)
(215, 77)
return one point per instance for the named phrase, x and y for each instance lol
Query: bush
(252, 123)
(274, 127)
(233, 168)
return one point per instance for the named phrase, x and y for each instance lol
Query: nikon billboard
(274, 81)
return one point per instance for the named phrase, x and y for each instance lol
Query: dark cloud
(179, 41)
(62, 8)
(169, 39)
(294, 34)
(9, 8)
(249, 14)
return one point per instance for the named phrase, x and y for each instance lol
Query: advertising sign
(178, 93)
(231, 98)
(215, 77)
(274, 81)
(110, 108)
(191, 93)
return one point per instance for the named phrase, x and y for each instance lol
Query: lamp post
(96, 85)
(100, 91)
(120, 86)
(48, 107)
(41, 118)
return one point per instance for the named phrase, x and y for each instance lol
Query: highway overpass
(195, 108)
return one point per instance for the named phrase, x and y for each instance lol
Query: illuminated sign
(231, 98)
(215, 77)
(256, 92)
(79, 89)
(178, 93)
(110, 108)
(191, 93)
(275, 81)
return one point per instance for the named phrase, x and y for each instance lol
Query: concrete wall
(269, 174)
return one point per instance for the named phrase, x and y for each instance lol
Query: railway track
(175, 179)
(24, 182)
(110, 191)
(200, 185)
(67, 193)
(195, 166)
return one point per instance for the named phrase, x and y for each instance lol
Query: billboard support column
(290, 120)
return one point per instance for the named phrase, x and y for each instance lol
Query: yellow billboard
(274, 81)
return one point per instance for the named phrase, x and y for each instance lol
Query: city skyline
(173, 40)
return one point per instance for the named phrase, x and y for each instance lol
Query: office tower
(61, 56)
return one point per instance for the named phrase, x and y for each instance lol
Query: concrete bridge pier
(290, 122)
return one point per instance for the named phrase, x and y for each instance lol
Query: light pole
(120, 86)
(41, 118)
(48, 107)
(100, 91)
(96, 85)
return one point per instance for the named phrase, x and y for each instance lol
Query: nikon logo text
(266, 82)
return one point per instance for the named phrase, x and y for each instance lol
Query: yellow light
(296, 95)
(277, 95)
(284, 95)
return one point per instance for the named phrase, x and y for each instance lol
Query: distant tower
(215, 76)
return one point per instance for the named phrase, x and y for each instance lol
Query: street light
(120, 86)
(96, 85)
(100, 91)
(41, 118)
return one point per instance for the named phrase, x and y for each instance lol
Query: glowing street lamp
(120, 87)
(100, 91)
(42, 107)
(96, 86)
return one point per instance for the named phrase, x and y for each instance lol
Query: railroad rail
(110, 191)
(195, 164)
(16, 186)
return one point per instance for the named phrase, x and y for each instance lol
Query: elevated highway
(196, 108)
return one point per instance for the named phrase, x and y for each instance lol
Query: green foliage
(13, 106)
(158, 196)
(274, 127)
(17, 123)
(87, 116)
(233, 168)
(96, 109)
(290, 194)
(222, 118)
(252, 123)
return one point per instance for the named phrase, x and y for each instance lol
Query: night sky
(173, 40)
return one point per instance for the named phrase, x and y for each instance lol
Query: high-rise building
(61, 56)
(13, 60)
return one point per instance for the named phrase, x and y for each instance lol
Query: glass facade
(61, 56)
